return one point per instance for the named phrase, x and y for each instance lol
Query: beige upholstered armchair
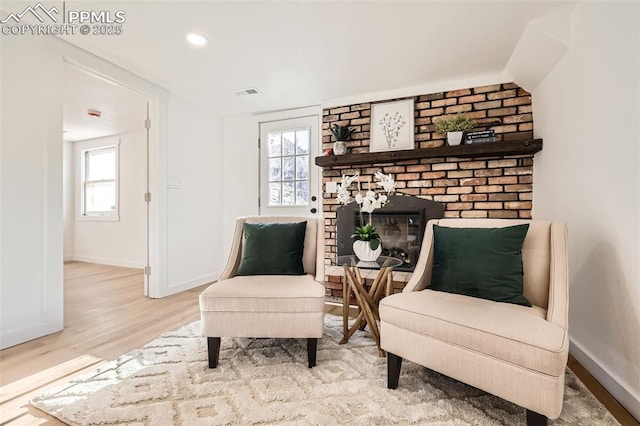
(515, 352)
(277, 306)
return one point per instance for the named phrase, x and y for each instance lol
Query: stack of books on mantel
(480, 137)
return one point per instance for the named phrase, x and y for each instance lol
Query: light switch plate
(331, 187)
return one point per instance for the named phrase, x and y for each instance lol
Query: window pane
(100, 197)
(288, 143)
(302, 193)
(275, 169)
(288, 168)
(274, 194)
(275, 145)
(288, 194)
(101, 165)
(302, 141)
(302, 167)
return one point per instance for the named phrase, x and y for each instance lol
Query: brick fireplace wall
(487, 187)
(505, 108)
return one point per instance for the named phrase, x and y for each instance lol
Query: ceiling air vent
(249, 91)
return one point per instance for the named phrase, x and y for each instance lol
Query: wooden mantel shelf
(530, 146)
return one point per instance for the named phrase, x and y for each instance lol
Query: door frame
(289, 114)
(314, 175)
(157, 156)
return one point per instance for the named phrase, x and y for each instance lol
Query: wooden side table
(367, 301)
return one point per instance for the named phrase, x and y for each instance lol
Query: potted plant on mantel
(341, 134)
(454, 126)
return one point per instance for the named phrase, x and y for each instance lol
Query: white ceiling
(123, 110)
(302, 53)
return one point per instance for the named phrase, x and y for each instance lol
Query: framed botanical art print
(392, 126)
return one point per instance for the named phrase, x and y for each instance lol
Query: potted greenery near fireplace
(341, 135)
(454, 127)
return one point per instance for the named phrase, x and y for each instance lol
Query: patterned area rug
(267, 381)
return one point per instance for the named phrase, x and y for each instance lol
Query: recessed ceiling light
(197, 39)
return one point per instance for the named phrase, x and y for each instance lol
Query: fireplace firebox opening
(400, 223)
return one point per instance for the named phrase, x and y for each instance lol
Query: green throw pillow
(272, 249)
(480, 262)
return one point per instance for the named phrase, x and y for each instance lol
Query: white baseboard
(615, 386)
(197, 282)
(20, 335)
(125, 263)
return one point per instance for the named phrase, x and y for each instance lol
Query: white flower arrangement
(386, 182)
(343, 188)
(370, 200)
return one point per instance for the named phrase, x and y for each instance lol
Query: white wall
(121, 242)
(30, 190)
(68, 185)
(194, 229)
(240, 174)
(587, 111)
(187, 228)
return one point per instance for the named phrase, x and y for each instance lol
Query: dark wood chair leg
(394, 362)
(213, 344)
(312, 348)
(535, 419)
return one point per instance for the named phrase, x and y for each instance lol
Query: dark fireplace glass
(400, 224)
(400, 234)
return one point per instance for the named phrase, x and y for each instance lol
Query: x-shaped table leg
(367, 301)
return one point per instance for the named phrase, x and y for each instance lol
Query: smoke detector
(94, 113)
(247, 91)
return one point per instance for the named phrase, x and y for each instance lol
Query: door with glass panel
(288, 175)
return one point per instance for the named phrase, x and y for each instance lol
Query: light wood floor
(106, 315)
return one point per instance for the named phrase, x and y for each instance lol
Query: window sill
(84, 218)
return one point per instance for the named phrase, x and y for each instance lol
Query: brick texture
(492, 187)
(505, 108)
